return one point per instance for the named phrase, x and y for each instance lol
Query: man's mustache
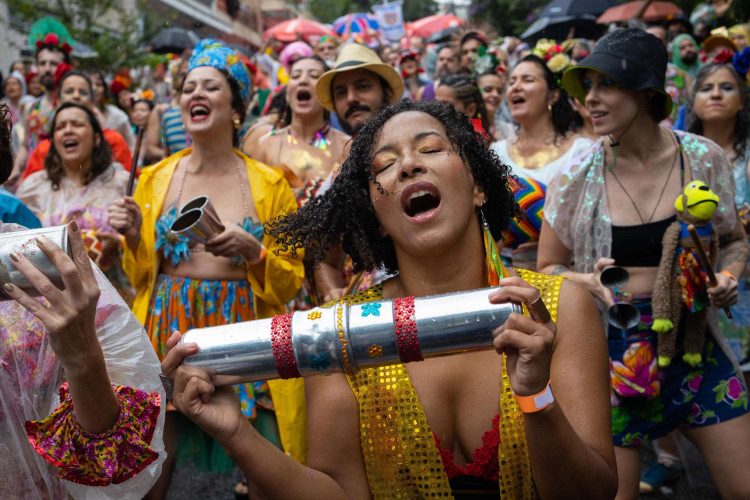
(356, 107)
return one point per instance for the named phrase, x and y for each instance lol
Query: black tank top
(640, 245)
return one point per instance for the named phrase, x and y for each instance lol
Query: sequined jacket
(400, 454)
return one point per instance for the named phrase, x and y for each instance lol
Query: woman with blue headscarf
(237, 275)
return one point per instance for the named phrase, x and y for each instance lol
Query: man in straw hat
(357, 86)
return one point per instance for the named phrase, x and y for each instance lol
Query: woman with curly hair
(543, 145)
(409, 198)
(79, 182)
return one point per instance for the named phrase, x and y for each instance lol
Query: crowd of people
(347, 173)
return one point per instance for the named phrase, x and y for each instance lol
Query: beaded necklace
(319, 140)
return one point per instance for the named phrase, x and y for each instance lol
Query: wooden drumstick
(134, 164)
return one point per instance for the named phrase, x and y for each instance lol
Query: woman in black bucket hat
(612, 207)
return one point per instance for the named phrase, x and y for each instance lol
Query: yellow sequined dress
(400, 454)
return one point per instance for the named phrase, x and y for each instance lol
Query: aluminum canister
(345, 338)
(202, 202)
(197, 225)
(24, 242)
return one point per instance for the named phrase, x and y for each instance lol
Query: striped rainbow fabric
(529, 195)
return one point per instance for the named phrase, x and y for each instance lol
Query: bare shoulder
(261, 147)
(343, 144)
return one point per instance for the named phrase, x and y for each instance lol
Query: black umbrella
(173, 40)
(559, 28)
(443, 36)
(575, 8)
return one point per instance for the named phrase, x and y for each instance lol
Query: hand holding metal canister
(24, 243)
(197, 220)
(348, 338)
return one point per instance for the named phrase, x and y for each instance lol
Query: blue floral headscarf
(213, 53)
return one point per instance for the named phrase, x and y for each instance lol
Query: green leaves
(118, 35)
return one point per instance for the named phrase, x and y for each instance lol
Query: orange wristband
(536, 402)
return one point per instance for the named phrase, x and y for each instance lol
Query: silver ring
(168, 385)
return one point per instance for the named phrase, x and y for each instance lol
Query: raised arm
(569, 441)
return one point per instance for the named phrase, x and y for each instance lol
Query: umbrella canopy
(655, 11)
(173, 41)
(575, 8)
(559, 28)
(431, 24)
(358, 22)
(288, 31)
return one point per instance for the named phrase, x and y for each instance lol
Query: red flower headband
(52, 40)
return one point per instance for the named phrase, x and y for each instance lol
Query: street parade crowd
(603, 185)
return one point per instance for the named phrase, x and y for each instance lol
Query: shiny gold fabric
(398, 447)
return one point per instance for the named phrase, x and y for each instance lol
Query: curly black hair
(741, 124)
(101, 156)
(562, 113)
(344, 214)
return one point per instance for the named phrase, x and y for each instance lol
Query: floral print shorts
(707, 394)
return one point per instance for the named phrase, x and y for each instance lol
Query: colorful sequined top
(401, 457)
(175, 247)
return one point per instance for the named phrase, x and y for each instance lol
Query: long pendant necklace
(663, 189)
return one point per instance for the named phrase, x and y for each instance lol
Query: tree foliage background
(120, 43)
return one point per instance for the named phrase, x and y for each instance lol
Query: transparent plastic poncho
(30, 378)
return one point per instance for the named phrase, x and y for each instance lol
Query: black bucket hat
(635, 59)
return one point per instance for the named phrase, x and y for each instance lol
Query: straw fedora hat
(354, 56)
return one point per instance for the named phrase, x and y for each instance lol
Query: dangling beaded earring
(495, 268)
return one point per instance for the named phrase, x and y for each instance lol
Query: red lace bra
(484, 463)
